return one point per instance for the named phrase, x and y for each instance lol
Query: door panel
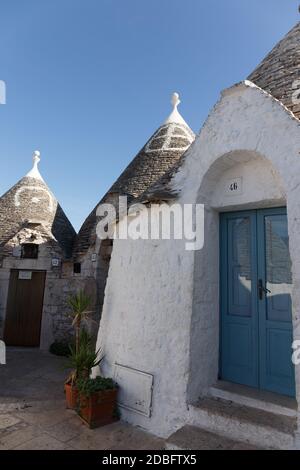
(256, 338)
(278, 268)
(239, 267)
(239, 358)
(277, 372)
(24, 309)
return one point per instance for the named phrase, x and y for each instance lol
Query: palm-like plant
(79, 304)
(84, 358)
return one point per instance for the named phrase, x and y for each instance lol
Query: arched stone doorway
(238, 181)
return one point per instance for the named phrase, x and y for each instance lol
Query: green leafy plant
(88, 386)
(79, 304)
(83, 358)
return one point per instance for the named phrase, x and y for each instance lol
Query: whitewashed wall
(161, 304)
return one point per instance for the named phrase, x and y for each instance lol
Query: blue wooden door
(256, 320)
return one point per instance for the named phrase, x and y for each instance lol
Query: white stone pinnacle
(175, 101)
(34, 172)
(175, 116)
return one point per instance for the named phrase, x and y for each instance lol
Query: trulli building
(200, 340)
(182, 329)
(36, 243)
(159, 155)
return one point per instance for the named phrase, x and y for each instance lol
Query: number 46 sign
(234, 187)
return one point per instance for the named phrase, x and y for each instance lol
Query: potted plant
(81, 359)
(97, 401)
(94, 399)
(79, 304)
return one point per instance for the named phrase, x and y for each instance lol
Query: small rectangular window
(77, 268)
(29, 251)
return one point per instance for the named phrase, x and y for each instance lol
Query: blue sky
(88, 81)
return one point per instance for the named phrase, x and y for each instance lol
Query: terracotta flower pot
(99, 408)
(71, 396)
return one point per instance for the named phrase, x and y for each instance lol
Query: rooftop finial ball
(175, 99)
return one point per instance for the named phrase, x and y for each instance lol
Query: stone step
(243, 423)
(254, 398)
(193, 438)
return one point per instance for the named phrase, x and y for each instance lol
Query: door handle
(262, 290)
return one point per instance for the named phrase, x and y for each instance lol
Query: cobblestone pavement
(33, 414)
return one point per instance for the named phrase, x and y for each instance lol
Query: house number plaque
(234, 187)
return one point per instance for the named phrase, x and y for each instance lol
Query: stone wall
(92, 279)
(60, 281)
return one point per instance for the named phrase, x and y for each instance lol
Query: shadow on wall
(63, 231)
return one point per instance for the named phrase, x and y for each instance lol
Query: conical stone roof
(159, 154)
(278, 72)
(31, 201)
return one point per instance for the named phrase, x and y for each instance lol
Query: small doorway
(256, 313)
(24, 308)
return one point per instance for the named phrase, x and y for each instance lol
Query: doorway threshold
(255, 398)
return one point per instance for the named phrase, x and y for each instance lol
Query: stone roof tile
(30, 200)
(279, 70)
(161, 152)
